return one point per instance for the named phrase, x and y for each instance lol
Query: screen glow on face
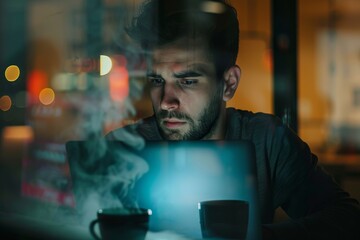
(184, 91)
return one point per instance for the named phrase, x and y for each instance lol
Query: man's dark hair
(164, 21)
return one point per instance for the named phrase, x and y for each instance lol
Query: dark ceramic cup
(224, 219)
(120, 223)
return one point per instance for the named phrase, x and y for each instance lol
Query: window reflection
(70, 72)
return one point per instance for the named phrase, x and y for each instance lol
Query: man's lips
(173, 123)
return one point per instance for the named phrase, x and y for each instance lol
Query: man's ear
(232, 79)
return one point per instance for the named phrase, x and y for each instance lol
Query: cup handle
(92, 229)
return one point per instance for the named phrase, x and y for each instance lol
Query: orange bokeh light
(12, 73)
(47, 96)
(5, 103)
(37, 81)
(268, 60)
(18, 133)
(119, 83)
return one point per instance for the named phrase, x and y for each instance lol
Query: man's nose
(170, 99)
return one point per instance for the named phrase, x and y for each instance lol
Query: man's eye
(156, 81)
(188, 82)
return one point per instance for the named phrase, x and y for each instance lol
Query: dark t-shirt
(288, 176)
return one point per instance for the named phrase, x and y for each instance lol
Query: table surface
(18, 226)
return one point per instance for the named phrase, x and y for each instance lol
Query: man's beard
(203, 128)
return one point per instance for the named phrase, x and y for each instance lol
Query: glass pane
(329, 33)
(329, 83)
(57, 86)
(255, 57)
(69, 71)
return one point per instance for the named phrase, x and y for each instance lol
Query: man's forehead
(179, 67)
(180, 52)
(179, 58)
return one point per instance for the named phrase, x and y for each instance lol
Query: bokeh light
(12, 73)
(5, 103)
(25, 133)
(267, 60)
(212, 7)
(81, 81)
(105, 65)
(62, 82)
(47, 96)
(119, 84)
(37, 81)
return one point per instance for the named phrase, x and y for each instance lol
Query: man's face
(185, 93)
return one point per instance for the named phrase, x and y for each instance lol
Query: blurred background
(69, 72)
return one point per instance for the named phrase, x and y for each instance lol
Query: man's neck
(218, 131)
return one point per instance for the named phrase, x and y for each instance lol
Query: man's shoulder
(248, 117)
(254, 126)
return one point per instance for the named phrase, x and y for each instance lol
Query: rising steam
(105, 175)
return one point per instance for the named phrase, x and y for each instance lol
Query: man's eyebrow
(187, 74)
(153, 75)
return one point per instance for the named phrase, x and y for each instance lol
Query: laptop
(168, 177)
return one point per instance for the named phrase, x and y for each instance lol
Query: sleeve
(317, 206)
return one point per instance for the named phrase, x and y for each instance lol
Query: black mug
(121, 223)
(225, 219)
